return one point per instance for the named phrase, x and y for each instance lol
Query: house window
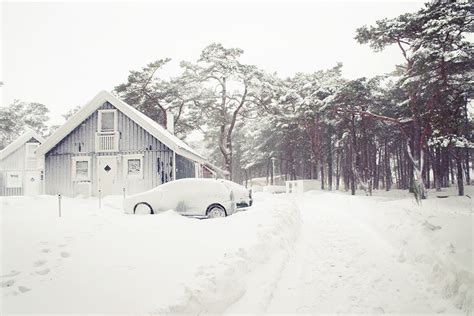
(107, 121)
(133, 166)
(81, 169)
(13, 179)
(30, 155)
(107, 136)
(31, 150)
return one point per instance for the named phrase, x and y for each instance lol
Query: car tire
(143, 208)
(216, 211)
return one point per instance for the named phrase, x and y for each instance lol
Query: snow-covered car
(191, 197)
(242, 195)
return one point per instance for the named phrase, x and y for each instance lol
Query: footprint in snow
(378, 310)
(43, 271)
(39, 263)
(23, 289)
(7, 283)
(11, 274)
(46, 250)
(65, 254)
(10, 293)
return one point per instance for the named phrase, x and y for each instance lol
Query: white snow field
(318, 252)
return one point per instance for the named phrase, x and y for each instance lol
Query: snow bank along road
(316, 253)
(342, 264)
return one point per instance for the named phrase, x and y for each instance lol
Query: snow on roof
(152, 127)
(218, 171)
(20, 141)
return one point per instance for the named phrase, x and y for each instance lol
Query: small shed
(19, 170)
(300, 186)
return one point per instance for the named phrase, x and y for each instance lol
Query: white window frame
(10, 185)
(126, 158)
(73, 169)
(99, 123)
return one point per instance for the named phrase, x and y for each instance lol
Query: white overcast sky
(62, 54)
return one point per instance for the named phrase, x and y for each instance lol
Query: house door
(32, 183)
(107, 174)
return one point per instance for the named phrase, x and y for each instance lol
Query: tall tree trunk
(388, 176)
(467, 169)
(427, 169)
(451, 169)
(272, 167)
(460, 179)
(445, 167)
(268, 170)
(437, 168)
(377, 167)
(330, 171)
(353, 147)
(338, 162)
(398, 168)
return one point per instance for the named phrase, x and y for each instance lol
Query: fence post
(100, 197)
(123, 189)
(59, 204)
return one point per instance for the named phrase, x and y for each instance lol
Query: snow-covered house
(108, 147)
(19, 172)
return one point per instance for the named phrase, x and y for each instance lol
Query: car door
(194, 199)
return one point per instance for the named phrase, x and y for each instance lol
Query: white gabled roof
(20, 141)
(152, 127)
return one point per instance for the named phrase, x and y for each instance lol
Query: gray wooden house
(108, 147)
(19, 170)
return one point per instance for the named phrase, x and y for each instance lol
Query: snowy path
(315, 253)
(340, 265)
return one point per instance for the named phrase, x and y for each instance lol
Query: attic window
(107, 121)
(30, 155)
(31, 150)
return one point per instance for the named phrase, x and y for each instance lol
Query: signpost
(59, 204)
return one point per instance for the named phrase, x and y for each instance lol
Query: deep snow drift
(95, 260)
(314, 253)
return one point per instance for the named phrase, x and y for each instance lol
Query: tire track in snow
(339, 265)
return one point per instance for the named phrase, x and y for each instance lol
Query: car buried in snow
(242, 195)
(201, 198)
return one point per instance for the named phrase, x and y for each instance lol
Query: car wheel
(142, 208)
(215, 211)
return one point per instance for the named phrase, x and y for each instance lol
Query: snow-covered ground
(315, 253)
(95, 260)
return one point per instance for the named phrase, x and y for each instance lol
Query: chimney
(170, 122)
